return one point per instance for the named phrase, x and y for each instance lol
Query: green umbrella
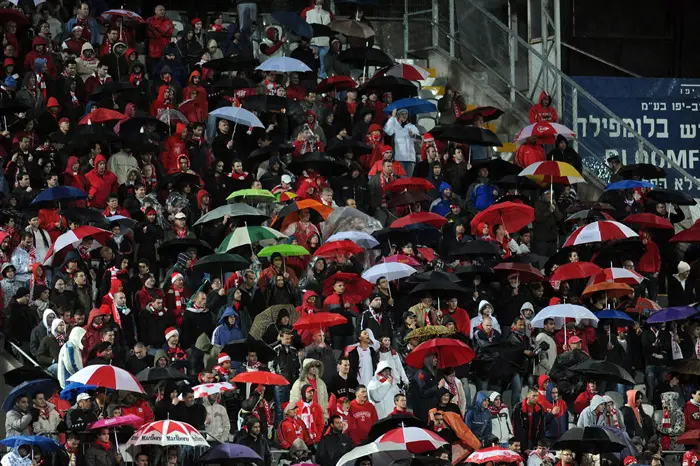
(285, 250)
(244, 236)
(240, 211)
(254, 195)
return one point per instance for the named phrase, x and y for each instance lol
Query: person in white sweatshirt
(317, 15)
(381, 390)
(403, 132)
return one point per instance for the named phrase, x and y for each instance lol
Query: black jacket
(286, 362)
(677, 296)
(645, 430)
(260, 446)
(332, 447)
(651, 346)
(425, 393)
(341, 387)
(194, 415)
(20, 322)
(78, 420)
(357, 188)
(379, 322)
(62, 458)
(193, 325)
(152, 327)
(528, 434)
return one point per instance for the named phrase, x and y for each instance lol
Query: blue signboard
(664, 111)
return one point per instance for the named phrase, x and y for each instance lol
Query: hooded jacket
(637, 422)
(87, 66)
(381, 391)
(269, 46)
(33, 55)
(567, 155)
(404, 148)
(540, 112)
(223, 333)
(93, 335)
(478, 418)
(40, 331)
(101, 186)
(589, 417)
(672, 423)
(70, 359)
(318, 384)
(159, 31)
(555, 424)
(441, 205)
(528, 424)
(311, 415)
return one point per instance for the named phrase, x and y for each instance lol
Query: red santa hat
(427, 137)
(171, 332)
(175, 276)
(223, 357)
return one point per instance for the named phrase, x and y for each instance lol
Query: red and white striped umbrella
(494, 455)
(406, 71)
(546, 133)
(413, 439)
(104, 376)
(74, 237)
(206, 389)
(128, 15)
(618, 275)
(596, 232)
(167, 433)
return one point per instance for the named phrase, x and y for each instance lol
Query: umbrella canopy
(245, 236)
(390, 270)
(335, 249)
(230, 451)
(206, 389)
(60, 193)
(552, 172)
(362, 57)
(618, 275)
(239, 349)
(575, 270)
(545, 132)
(293, 22)
(486, 113)
(476, 248)
(596, 232)
(691, 235)
(612, 314)
(691, 437)
(466, 135)
(72, 390)
(219, 264)
(290, 213)
(498, 169)
(383, 453)
(526, 272)
(238, 115)
(672, 313)
(401, 259)
(588, 216)
(641, 170)
(494, 455)
(243, 212)
(352, 28)
(469, 272)
(643, 306)
(126, 15)
(104, 376)
(406, 71)
(414, 439)
(167, 433)
(45, 386)
(45, 444)
(357, 289)
(399, 88)
(429, 218)
(588, 440)
(603, 370)
(101, 115)
(74, 237)
(152, 375)
(671, 197)
(348, 146)
(611, 289)
(319, 320)
(449, 352)
(285, 250)
(561, 312)
(253, 195)
(269, 317)
(173, 247)
(628, 184)
(232, 63)
(511, 215)
(686, 366)
(322, 163)
(649, 221)
(272, 104)
(361, 238)
(413, 105)
(283, 65)
(337, 83)
(260, 378)
(408, 198)
(128, 420)
(409, 184)
(382, 426)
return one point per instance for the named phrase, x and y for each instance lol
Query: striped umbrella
(206, 389)
(545, 132)
(245, 236)
(74, 237)
(618, 275)
(552, 172)
(104, 376)
(413, 439)
(596, 232)
(167, 433)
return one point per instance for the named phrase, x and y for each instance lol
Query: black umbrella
(421, 460)
(642, 170)
(438, 287)
(518, 182)
(434, 275)
(293, 22)
(595, 205)
(106, 90)
(517, 198)
(395, 421)
(239, 349)
(322, 30)
(588, 440)
(339, 148)
(218, 264)
(686, 366)
(152, 375)
(466, 135)
(671, 197)
(178, 180)
(475, 248)
(232, 84)
(362, 57)
(487, 113)
(604, 370)
(86, 134)
(408, 197)
(175, 246)
(234, 63)
(85, 215)
(134, 125)
(400, 88)
(589, 215)
(325, 164)
(9, 107)
(272, 103)
(419, 234)
(618, 251)
(468, 272)
(15, 377)
(268, 151)
(498, 168)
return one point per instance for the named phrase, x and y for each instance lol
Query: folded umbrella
(672, 313)
(512, 216)
(603, 370)
(449, 352)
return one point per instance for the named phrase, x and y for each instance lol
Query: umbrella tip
(89, 122)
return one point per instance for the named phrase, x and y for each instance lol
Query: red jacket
(650, 262)
(462, 320)
(363, 416)
(692, 416)
(101, 186)
(290, 430)
(539, 113)
(159, 31)
(583, 401)
(173, 148)
(140, 409)
(527, 154)
(33, 55)
(316, 429)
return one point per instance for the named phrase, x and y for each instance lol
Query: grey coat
(17, 423)
(97, 456)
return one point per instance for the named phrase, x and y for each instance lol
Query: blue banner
(664, 111)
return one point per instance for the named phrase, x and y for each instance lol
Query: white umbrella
(283, 65)
(391, 270)
(362, 239)
(381, 453)
(561, 312)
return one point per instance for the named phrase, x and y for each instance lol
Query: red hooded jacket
(101, 186)
(539, 113)
(159, 31)
(291, 429)
(173, 148)
(33, 55)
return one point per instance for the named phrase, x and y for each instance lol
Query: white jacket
(318, 15)
(70, 359)
(501, 425)
(545, 359)
(404, 148)
(381, 394)
(397, 371)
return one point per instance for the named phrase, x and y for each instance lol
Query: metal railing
(516, 70)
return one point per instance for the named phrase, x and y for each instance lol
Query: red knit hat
(195, 21)
(374, 127)
(629, 460)
(223, 357)
(171, 332)
(386, 149)
(175, 276)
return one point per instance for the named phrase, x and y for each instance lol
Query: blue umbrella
(413, 105)
(229, 451)
(613, 314)
(672, 313)
(73, 389)
(238, 115)
(294, 23)
(46, 386)
(60, 193)
(46, 444)
(628, 184)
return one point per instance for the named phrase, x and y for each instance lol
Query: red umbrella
(260, 378)
(357, 289)
(414, 439)
(333, 249)
(526, 272)
(494, 455)
(409, 184)
(596, 232)
(643, 305)
(617, 275)
(691, 235)
(406, 71)
(401, 258)
(10, 14)
(691, 437)
(101, 115)
(575, 270)
(319, 320)
(649, 221)
(513, 216)
(428, 218)
(337, 83)
(428, 253)
(127, 15)
(450, 353)
(487, 113)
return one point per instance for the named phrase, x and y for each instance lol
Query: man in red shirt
(291, 428)
(691, 411)
(649, 265)
(137, 407)
(101, 183)
(159, 29)
(363, 416)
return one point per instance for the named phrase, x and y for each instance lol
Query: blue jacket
(223, 334)
(94, 29)
(554, 427)
(478, 419)
(441, 206)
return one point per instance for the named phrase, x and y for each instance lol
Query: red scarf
(106, 445)
(178, 306)
(181, 233)
(85, 24)
(489, 335)
(217, 27)
(41, 83)
(666, 424)
(176, 353)
(32, 257)
(84, 252)
(135, 79)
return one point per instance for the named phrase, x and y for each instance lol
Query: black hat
(21, 292)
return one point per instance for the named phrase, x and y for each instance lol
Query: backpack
(482, 197)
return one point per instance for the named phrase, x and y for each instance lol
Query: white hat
(180, 215)
(683, 267)
(286, 179)
(83, 396)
